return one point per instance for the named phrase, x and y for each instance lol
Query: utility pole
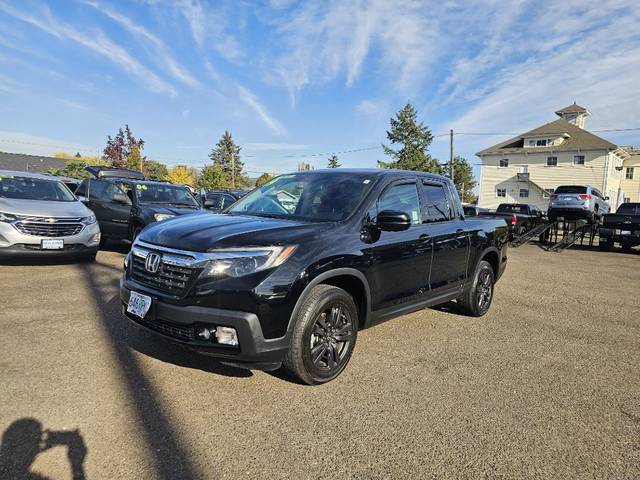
(233, 171)
(451, 153)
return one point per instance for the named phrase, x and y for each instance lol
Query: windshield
(506, 208)
(324, 197)
(571, 189)
(629, 208)
(28, 188)
(165, 193)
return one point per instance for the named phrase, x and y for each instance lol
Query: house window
(501, 192)
(532, 143)
(626, 200)
(504, 162)
(524, 193)
(552, 161)
(578, 159)
(628, 174)
(541, 143)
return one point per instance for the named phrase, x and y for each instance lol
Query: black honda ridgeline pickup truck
(289, 273)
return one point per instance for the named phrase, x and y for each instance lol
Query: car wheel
(324, 335)
(604, 246)
(477, 300)
(521, 230)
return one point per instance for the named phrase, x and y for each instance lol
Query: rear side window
(437, 203)
(81, 191)
(401, 198)
(511, 208)
(571, 189)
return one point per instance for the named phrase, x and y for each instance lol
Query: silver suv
(40, 216)
(577, 202)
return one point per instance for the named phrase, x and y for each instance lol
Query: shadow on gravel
(170, 454)
(25, 439)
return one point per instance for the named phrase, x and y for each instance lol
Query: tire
(483, 283)
(327, 314)
(605, 246)
(521, 230)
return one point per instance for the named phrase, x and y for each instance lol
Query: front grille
(42, 227)
(173, 330)
(169, 278)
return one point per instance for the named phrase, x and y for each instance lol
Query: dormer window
(541, 142)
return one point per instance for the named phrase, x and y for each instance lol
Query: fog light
(227, 336)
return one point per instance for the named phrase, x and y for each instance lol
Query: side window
(81, 191)
(101, 191)
(228, 200)
(216, 200)
(438, 209)
(401, 198)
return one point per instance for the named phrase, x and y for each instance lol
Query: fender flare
(337, 272)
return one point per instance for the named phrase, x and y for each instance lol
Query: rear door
(113, 216)
(449, 234)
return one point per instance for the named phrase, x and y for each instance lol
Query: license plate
(625, 232)
(139, 304)
(52, 244)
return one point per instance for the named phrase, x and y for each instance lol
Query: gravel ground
(547, 385)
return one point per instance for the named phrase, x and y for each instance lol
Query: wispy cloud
(249, 99)
(71, 104)
(265, 147)
(173, 67)
(98, 43)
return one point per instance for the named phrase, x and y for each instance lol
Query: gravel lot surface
(547, 385)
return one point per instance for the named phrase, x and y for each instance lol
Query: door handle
(424, 237)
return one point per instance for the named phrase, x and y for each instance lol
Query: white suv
(40, 216)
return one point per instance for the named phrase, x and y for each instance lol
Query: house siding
(631, 188)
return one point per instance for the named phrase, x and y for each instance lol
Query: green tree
(333, 162)
(462, 178)
(213, 177)
(413, 139)
(226, 155)
(264, 178)
(154, 170)
(75, 167)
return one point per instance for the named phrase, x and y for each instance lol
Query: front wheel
(324, 335)
(477, 300)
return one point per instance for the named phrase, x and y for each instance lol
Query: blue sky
(299, 78)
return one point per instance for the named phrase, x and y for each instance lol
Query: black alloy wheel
(476, 301)
(330, 338)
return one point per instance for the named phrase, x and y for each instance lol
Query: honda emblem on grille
(152, 263)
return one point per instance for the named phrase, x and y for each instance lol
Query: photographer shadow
(25, 439)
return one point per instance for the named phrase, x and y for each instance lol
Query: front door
(113, 216)
(398, 261)
(450, 237)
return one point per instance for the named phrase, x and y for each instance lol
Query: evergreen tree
(333, 162)
(413, 138)
(462, 178)
(226, 155)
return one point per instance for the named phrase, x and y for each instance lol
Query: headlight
(239, 262)
(7, 217)
(162, 216)
(89, 220)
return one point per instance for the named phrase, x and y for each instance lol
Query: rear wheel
(324, 335)
(477, 300)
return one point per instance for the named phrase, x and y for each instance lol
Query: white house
(527, 168)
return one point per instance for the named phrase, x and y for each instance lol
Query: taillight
(553, 196)
(514, 219)
(584, 196)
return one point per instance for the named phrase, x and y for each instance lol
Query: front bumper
(180, 324)
(15, 243)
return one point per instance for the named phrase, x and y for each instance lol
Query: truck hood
(43, 208)
(201, 233)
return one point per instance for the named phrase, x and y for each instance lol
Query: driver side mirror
(393, 221)
(120, 197)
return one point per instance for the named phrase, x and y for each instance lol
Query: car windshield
(629, 209)
(165, 193)
(313, 196)
(571, 189)
(504, 208)
(29, 188)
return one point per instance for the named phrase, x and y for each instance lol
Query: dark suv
(124, 203)
(289, 273)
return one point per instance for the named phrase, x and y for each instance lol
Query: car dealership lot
(546, 385)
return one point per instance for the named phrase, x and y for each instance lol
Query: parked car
(575, 202)
(218, 200)
(520, 217)
(125, 205)
(622, 227)
(266, 283)
(39, 216)
(71, 183)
